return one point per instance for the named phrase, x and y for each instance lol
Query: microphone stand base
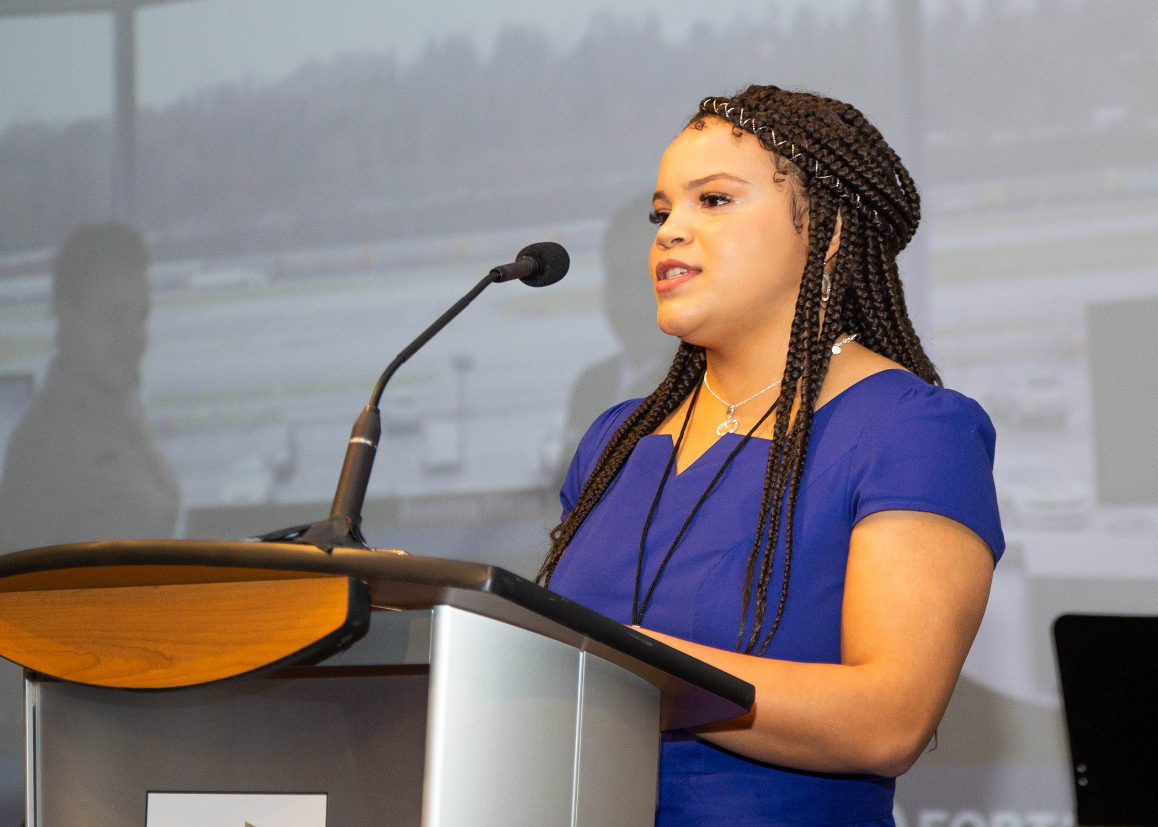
(340, 530)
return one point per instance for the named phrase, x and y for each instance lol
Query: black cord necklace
(637, 610)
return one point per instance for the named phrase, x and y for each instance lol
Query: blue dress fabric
(891, 441)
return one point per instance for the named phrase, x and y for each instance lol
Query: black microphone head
(551, 262)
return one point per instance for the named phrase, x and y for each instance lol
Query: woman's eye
(714, 199)
(657, 217)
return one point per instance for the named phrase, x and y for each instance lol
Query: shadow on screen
(645, 352)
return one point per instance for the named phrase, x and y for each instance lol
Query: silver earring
(825, 288)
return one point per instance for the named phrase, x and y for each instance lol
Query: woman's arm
(914, 594)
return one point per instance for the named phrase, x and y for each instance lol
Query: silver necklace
(730, 423)
(844, 341)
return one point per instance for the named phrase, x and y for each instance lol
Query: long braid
(838, 164)
(808, 363)
(687, 369)
(778, 469)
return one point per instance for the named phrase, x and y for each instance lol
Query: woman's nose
(671, 234)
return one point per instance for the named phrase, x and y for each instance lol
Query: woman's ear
(834, 245)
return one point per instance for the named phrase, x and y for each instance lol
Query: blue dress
(891, 441)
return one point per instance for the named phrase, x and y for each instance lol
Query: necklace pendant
(728, 426)
(730, 422)
(835, 349)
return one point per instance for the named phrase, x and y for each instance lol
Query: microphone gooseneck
(428, 334)
(536, 265)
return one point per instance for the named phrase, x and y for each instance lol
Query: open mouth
(671, 273)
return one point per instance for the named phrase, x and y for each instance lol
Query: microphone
(536, 265)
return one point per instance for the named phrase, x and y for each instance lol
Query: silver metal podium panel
(501, 725)
(505, 726)
(359, 739)
(526, 730)
(617, 757)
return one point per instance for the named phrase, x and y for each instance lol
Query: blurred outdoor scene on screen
(304, 214)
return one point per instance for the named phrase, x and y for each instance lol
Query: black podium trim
(403, 581)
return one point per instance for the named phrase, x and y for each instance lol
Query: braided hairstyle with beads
(837, 163)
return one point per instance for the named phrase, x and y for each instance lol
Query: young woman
(799, 503)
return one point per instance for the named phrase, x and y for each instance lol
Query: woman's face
(727, 220)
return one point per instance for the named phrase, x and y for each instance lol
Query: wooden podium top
(153, 614)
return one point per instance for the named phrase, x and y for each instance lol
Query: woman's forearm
(915, 590)
(819, 716)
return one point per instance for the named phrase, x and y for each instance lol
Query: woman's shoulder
(888, 399)
(591, 446)
(897, 400)
(882, 389)
(896, 420)
(608, 422)
(917, 446)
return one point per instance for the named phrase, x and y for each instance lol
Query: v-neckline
(671, 437)
(676, 472)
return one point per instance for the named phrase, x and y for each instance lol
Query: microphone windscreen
(553, 263)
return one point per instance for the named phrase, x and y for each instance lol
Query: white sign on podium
(235, 810)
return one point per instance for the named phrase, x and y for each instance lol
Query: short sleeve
(930, 450)
(590, 447)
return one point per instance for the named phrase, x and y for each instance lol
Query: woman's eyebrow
(699, 182)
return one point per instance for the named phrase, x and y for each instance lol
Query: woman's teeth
(673, 272)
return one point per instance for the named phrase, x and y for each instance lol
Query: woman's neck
(745, 365)
(741, 369)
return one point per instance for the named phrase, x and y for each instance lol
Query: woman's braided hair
(837, 163)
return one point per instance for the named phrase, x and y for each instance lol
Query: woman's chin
(684, 329)
(674, 326)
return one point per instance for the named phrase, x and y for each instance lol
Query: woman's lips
(673, 282)
(682, 273)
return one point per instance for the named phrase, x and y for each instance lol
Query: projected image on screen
(315, 182)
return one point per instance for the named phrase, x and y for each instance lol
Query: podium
(178, 682)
